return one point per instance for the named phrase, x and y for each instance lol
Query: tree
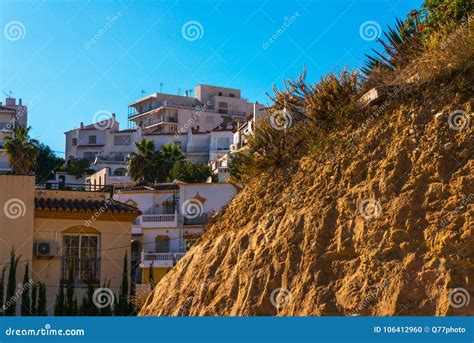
(60, 303)
(41, 309)
(146, 164)
(77, 167)
(34, 300)
(10, 305)
(88, 308)
(25, 296)
(189, 172)
(70, 308)
(170, 154)
(47, 164)
(238, 164)
(2, 290)
(123, 308)
(22, 150)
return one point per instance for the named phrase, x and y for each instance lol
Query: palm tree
(22, 150)
(144, 164)
(171, 153)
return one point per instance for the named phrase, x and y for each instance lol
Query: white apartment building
(12, 114)
(174, 215)
(201, 125)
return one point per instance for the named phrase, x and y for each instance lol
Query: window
(92, 139)
(231, 95)
(222, 143)
(74, 141)
(81, 258)
(220, 93)
(162, 244)
(122, 140)
(222, 104)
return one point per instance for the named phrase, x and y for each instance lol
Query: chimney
(186, 93)
(82, 125)
(20, 102)
(10, 101)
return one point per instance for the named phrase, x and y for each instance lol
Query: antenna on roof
(161, 87)
(143, 92)
(9, 94)
(179, 90)
(190, 91)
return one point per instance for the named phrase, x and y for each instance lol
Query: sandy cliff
(382, 226)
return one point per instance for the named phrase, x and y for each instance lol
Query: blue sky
(53, 63)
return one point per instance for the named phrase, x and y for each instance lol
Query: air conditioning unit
(45, 249)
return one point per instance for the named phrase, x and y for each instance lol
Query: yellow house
(61, 231)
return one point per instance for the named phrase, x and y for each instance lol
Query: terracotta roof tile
(82, 205)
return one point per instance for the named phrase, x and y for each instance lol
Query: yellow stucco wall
(158, 274)
(115, 238)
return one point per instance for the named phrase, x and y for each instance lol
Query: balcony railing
(83, 270)
(197, 149)
(149, 258)
(160, 119)
(76, 187)
(201, 220)
(158, 218)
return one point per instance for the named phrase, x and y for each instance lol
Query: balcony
(197, 150)
(83, 270)
(201, 220)
(159, 220)
(147, 109)
(160, 260)
(159, 120)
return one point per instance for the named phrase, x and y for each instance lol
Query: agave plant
(400, 44)
(22, 151)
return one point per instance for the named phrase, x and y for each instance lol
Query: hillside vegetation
(351, 208)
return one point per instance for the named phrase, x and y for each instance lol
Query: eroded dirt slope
(383, 226)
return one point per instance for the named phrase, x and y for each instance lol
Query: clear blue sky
(52, 64)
